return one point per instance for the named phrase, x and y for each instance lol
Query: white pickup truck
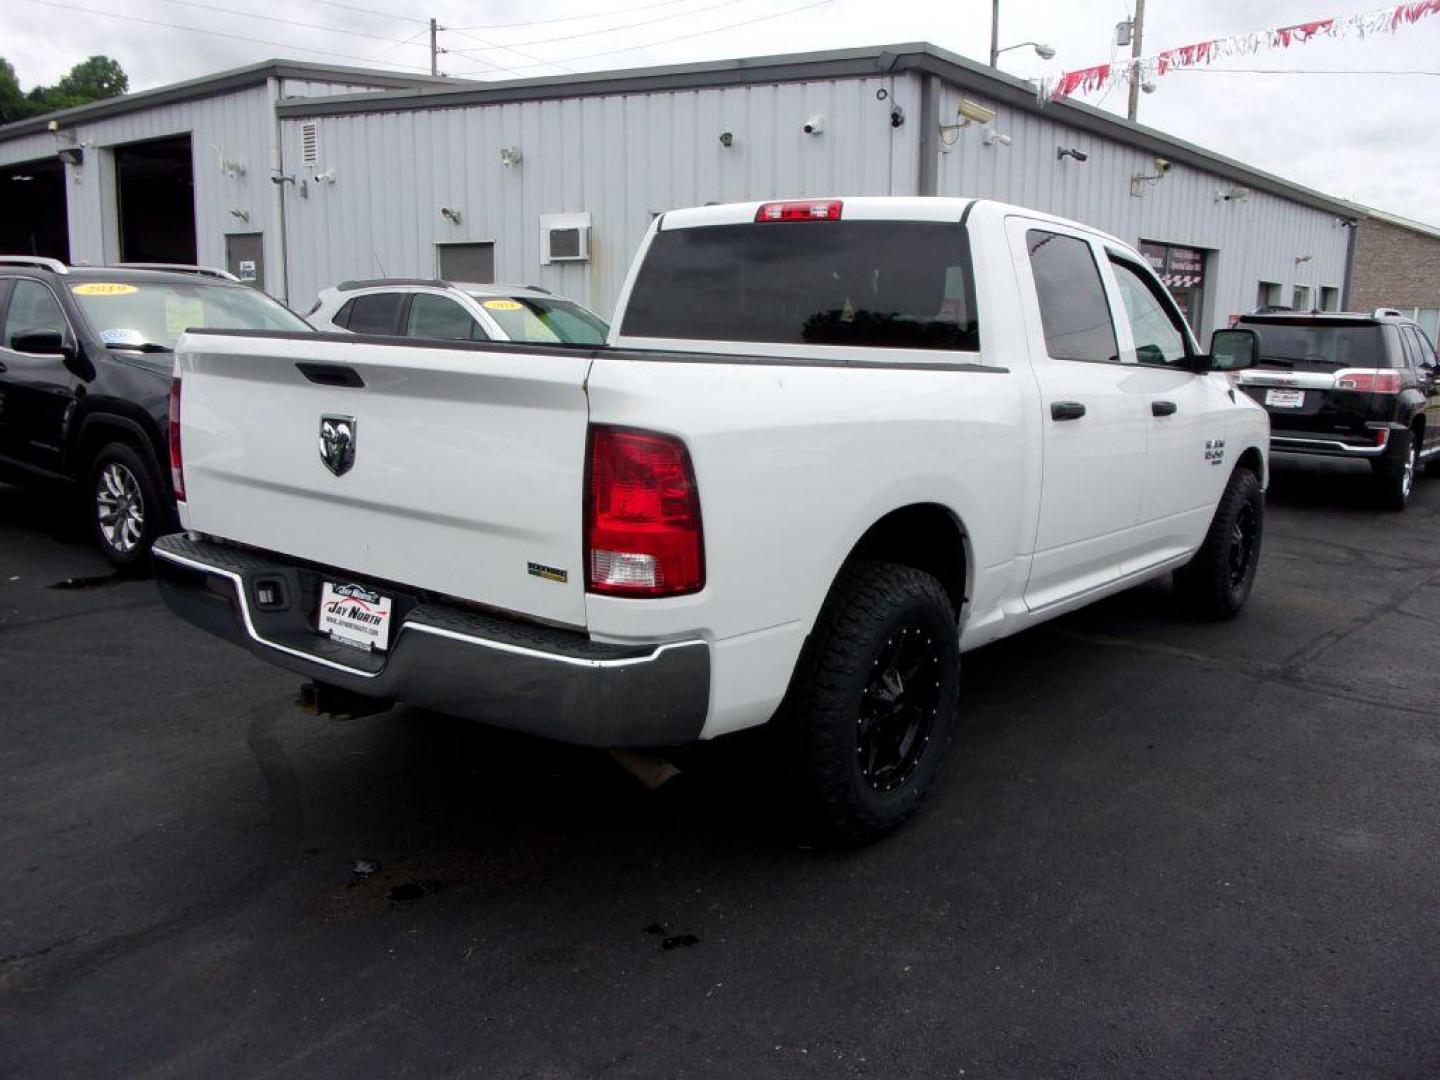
(829, 446)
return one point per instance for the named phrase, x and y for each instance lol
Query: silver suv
(455, 311)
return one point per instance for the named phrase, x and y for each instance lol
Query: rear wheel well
(100, 432)
(925, 536)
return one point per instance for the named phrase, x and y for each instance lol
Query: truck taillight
(642, 515)
(1368, 380)
(177, 464)
(803, 210)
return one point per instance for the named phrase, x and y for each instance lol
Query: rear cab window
(863, 283)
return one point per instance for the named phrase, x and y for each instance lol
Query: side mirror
(40, 342)
(1233, 350)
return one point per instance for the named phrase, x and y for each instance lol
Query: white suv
(455, 311)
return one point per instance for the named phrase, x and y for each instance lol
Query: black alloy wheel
(898, 707)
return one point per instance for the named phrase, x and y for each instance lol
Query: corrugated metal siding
(622, 158)
(1258, 239)
(237, 125)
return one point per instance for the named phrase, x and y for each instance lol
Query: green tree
(94, 79)
(13, 105)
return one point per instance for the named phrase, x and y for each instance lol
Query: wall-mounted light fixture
(451, 214)
(510, 156)
(71, 155)
(326, 177)
(1303, 259)
(727, 139)
(897, 116)
(995, 138)
(1062, 152)
(813, 126)
(241, 216)
(227, 166)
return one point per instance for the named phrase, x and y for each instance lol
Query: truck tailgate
(467, 470)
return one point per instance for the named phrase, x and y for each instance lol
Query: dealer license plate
(1285, 399)
(354, 615)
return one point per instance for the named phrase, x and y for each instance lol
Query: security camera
(972, 110)
(1062, 152)
(1162, 165)
(727, 138)
(993, 137)
(897, 117)
(814, 126)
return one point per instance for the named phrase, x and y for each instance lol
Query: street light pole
(994, 33)
(1135, 44)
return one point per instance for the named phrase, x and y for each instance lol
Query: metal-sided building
(553, 181)
(181, 173)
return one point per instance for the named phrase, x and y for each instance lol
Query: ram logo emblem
(337, 443)
(1214, 451)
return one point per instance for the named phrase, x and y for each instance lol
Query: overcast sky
(1369, 137)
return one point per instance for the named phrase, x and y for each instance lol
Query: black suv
(1362, 387)
(86, 358)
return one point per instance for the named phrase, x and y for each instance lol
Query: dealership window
(1182, 271)
(1302, 298)
(473, 263)
(1329, 298)
(1268, 295)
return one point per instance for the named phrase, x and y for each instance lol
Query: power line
(371, 11)
(288, 22)
(289, 46)
(614, 29)
(571, 18)
(681, 37)
(1292, 71)
(490, 45)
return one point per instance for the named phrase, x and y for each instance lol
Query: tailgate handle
(1066, 410)
(331, 374)
(1163, 408)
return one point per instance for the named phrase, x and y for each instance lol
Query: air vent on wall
(310, 144)
(564, 238)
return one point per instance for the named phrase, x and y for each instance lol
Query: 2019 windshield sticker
(103, 288)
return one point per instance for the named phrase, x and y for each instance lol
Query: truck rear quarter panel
(794, 463)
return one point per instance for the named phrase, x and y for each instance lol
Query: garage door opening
(34, 220)
(155, 186)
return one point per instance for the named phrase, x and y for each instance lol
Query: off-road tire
(871, 606)
(1217, 581)
(1396, 472)
(119, 461)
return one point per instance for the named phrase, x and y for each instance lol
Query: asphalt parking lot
(1159, 848)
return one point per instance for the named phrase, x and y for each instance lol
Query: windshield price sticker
(353, 615)
(103, 288)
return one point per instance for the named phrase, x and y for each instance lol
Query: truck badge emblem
(337, 443)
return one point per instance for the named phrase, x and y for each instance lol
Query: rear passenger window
(438, 317)
(1074, 312)
(378, 313)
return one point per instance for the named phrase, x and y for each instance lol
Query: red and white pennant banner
(1143, 69)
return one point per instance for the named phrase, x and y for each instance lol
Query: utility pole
(1136, 40)
(994, 33)
(435, 60)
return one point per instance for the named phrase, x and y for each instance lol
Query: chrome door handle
(1066, 410)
